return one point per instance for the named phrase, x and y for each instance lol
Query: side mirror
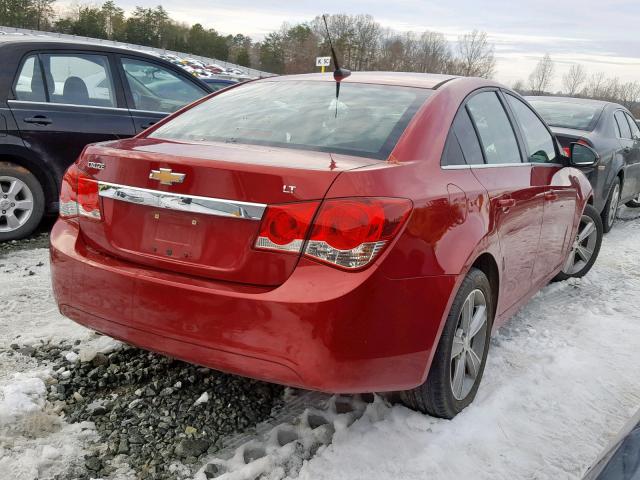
(583, 156)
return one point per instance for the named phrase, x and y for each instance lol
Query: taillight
(79, 195)
(348, 233)
(284, 227)
(351, 233)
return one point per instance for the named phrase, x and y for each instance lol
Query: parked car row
(204, 70)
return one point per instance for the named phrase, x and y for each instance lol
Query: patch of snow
(25, 394)
(35, 443)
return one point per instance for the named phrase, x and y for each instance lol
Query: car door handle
(144, 126)
(506, 203)
(38, 120)
(551, 196)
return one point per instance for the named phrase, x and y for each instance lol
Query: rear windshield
(579, 116)
(366, 120)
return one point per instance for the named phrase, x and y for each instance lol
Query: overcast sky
(604, 35)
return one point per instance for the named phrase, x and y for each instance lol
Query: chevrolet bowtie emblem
(166, 176)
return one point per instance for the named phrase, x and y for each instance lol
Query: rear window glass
(366, 120)
(574, 115)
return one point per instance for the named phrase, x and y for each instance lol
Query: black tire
(609, 212)
(635, 203)
(33, 189)
(435, 396)
(592, 214)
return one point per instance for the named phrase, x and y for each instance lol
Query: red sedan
(368, 239)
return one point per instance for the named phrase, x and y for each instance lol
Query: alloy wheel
(583, 246)
(469, 342)
(16, 203)
(613, 205)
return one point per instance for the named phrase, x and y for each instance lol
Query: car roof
(43, 41)
(582, 101)
(420, 80)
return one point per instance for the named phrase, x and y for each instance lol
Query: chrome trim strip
(495, 165)
(455, 167)
(185, 203)
(53, 104)
(153, 112)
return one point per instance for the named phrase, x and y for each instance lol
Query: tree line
(362, 42)
(577, 82)
(151, 27)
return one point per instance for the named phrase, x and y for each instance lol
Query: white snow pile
(24, 395)
(34, 441)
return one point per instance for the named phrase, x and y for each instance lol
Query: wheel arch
(44, 176)
(486, 263)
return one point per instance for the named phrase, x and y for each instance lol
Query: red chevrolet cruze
(365, 239)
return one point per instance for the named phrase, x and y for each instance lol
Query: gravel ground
(38, 240)
(158, 415)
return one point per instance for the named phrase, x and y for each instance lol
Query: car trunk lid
(195, 208)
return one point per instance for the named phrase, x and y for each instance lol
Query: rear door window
(625, 130)
(635, 131)
(79, 79)
(463, 147)
(466, 134)
(29, 85)
(538, 139)
(158, 89)
(452, 152)
(497, 136)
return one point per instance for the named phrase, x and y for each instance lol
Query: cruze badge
(96, 165)
(166, 176)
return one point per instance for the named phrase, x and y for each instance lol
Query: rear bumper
(322, 329)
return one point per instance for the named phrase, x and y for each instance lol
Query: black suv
(55, 98)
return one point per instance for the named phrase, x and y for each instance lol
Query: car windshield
(579, 116)
(366, 120)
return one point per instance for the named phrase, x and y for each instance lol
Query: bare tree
(630, 95)
(475, 56)
(542, 76)
(519, 87)
(573, 80)
(596, 85)
(433, 53)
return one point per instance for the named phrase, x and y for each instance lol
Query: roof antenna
(339, 74)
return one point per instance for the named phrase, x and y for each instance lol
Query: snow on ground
(35, 442)
(561, 380)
